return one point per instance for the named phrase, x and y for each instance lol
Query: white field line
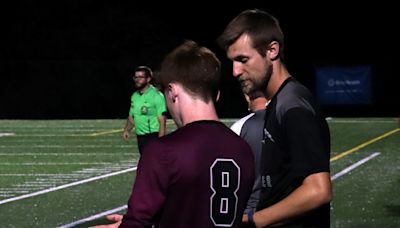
(56, 163)
(2, 134)
(107, 132)
(37, 174)
(355, 165)
(339, 120)
(15, 191)
(37, 181)
(335, 120)
(66, 186)
(64, 154)
(12, 189)
(52, 180)
(85, 171)
(73, 129)
(96, 216)
(66, 146)
(5, 195)
(93, 217)
(37, 184)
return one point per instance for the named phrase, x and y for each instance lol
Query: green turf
(368, 196)
(58, 152)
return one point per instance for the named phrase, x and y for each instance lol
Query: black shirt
(296, 144)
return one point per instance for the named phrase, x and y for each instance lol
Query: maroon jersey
(201, 175)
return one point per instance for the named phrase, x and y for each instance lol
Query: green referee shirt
(145, 110)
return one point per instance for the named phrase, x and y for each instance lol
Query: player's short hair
(196, 68)
(260, 26)
(147, 70)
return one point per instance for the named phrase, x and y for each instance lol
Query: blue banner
(344, 85)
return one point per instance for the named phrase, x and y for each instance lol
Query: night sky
(74, 59)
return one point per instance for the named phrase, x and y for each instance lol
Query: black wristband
(251, 219)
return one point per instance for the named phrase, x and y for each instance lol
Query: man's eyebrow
(240, 58)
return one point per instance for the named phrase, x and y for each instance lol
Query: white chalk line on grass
(64, 175)
(65, 186)
(52, 175)
(65, 154)
(44, 181)
(66, 146)
(96, 216)
(2, 134)
(13, 191)
(355, 165)
(338, 120)
(54, 163)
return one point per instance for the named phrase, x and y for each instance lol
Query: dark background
(74, 59)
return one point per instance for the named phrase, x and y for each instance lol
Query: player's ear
(273, 50)
(172, 91)
(148, 79)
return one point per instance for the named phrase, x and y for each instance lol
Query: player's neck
(279, 75)
(258, 104)
(143, 90)
(199, 110)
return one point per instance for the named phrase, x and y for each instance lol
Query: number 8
(225, 182)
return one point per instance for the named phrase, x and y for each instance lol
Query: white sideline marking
(53, 180)
(6, 134)
(62, 154)
(15, 191)
(56, 163)
(65, 146)
(5, 195)
(93, 217)
(335, 120)
(41, 184)
(32, 174)
(12, 189)
(66, 186)
(107, 132)
(96, 216)
(355, 165)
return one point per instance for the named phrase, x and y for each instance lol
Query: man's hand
(245, 218)
(125, 135)
(114, 218)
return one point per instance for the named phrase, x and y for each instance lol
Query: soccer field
(69, 173)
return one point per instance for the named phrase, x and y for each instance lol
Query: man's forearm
(162, 122)
(129, 124)
(315, 191)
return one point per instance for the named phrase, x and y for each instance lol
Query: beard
(259, 83)
(140, 86)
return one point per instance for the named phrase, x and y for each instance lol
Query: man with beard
(295, 173)
(147, 110)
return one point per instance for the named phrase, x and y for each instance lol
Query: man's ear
(172, 92)
(273, 50)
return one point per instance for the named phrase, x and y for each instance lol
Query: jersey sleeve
(160, 104)
(150, 188)
(237, 126)
(308, 142)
